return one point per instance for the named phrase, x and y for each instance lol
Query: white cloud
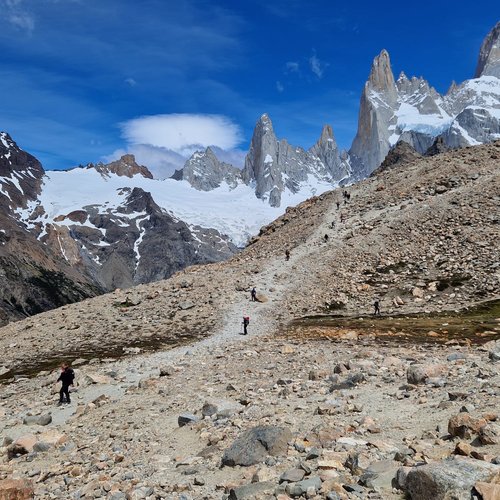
(292, 67)
(163, 143)
(317, 66)
(279, 86)
(182, 133)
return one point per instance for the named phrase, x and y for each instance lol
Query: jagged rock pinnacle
(489, 55)
(381, 76)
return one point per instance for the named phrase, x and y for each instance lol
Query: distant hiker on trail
(332, 225)
(338, 205)
(67, 378)
(325, 238)
(348, 196)
(246, 320)
(376, 306)
(253, 294)
(287, 254)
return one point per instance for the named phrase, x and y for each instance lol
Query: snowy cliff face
(205, 172)
(410, 110)
(276, 167)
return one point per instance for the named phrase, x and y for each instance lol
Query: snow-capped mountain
(410, 110)
(274, 170)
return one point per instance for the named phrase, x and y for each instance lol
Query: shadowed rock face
(139, 243)
(400, 155)
(488, 63)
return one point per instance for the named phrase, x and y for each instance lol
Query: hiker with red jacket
(246, 320)
(66, 378)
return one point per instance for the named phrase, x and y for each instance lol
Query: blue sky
(76, 76)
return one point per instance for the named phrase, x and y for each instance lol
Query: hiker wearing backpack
(246, 320)
(67, 378)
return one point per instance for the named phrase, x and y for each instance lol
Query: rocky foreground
(273, 415)
(262, 418)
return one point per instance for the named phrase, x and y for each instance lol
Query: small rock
(44, 419)
(186, 419)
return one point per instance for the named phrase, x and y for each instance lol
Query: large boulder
(254, 445)
(419, 373)
(44, 419)
(463, 425)
(452, 478)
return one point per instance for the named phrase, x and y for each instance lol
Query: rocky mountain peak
(126, 166)
(489, 55)
(381, 77)
(205, 172)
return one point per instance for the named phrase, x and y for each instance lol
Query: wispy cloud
(279, 86)
(317, 66)
(15, 12)
(292, 67)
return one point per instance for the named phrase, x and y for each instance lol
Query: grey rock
(380, 476)
(41, 447)
(187, 418)
(300, 488)
(251, 491)
(450, 478)
(254, 445)
(292, 475)
(44, 419)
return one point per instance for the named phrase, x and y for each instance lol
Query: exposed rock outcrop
(125, 166)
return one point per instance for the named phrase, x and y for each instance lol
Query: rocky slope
(410, 110)
(285, 412)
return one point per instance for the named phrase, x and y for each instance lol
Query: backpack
(71, 374)
(246, 319)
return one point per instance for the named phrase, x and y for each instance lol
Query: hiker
(338, 205)
(332, 225)
(287, 255)
(253, 294)
(246, 320)
(348, 196)
(66, 378)
(376, 306)
(325, 238)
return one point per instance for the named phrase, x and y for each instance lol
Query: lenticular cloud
(182, 133)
